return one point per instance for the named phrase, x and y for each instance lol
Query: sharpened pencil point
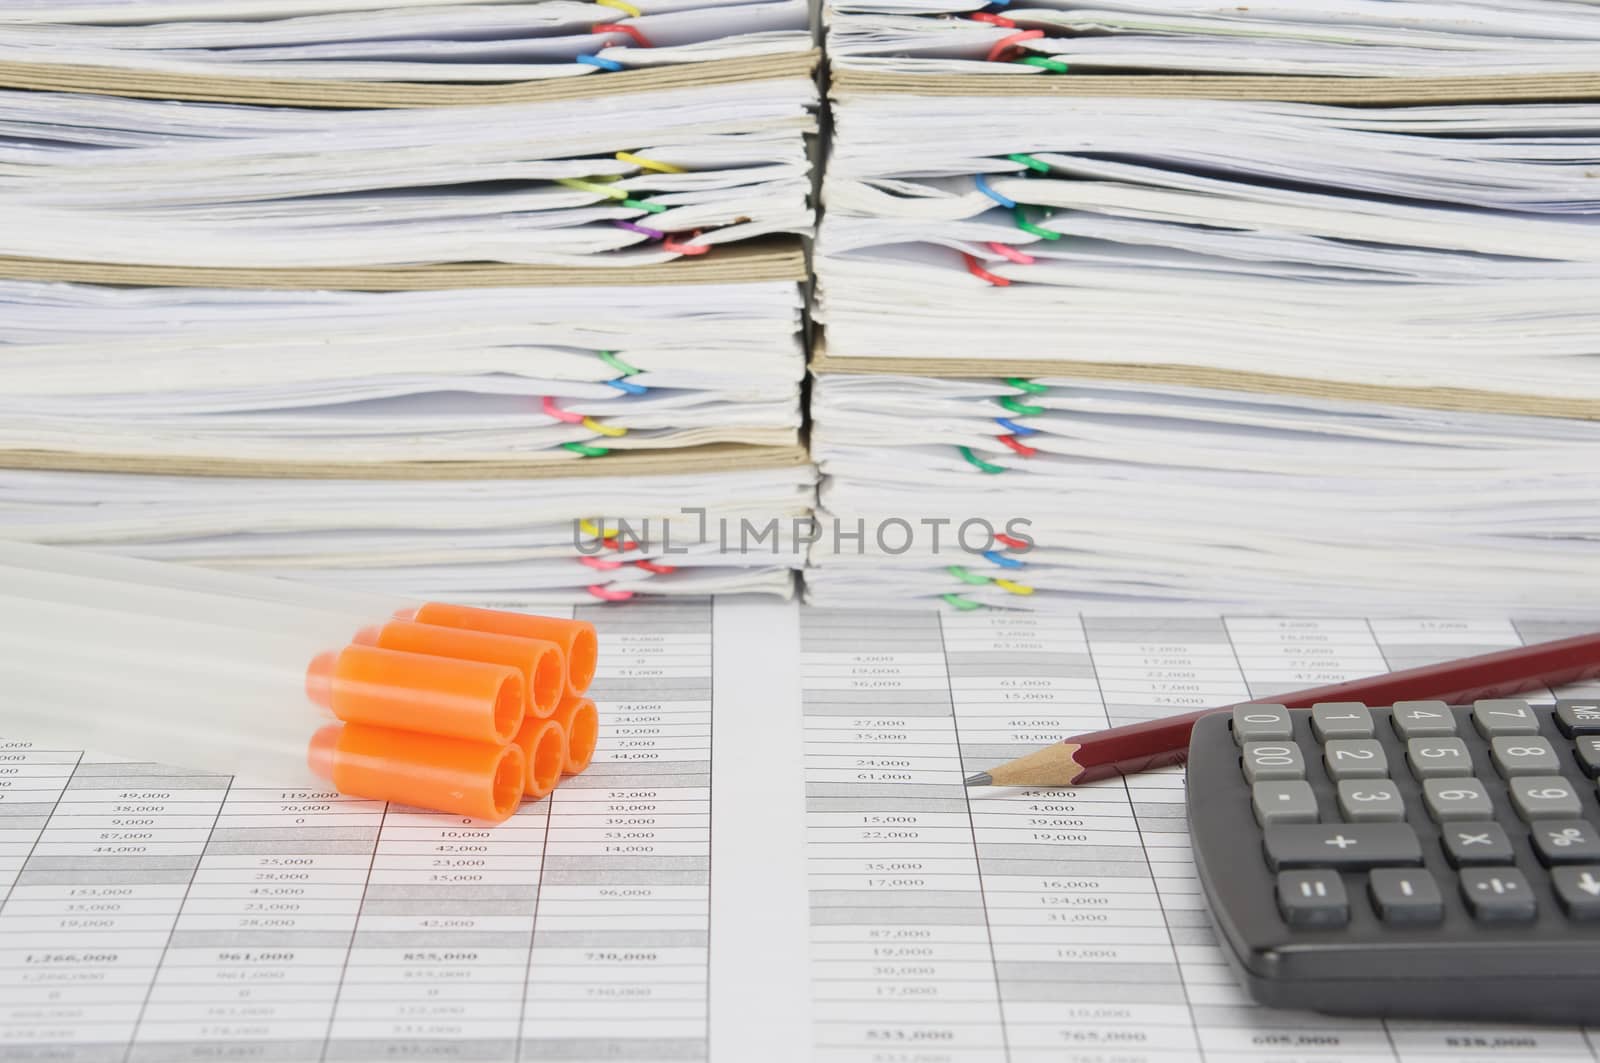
(983, 778)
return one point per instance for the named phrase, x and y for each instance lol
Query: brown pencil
(1160, 743)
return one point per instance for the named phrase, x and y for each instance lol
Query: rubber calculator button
(1578, 718)
(1313, 899)
(1450, 800)
(1438, 758)
(1498, 895)
(1356, 758)
(1566, 841)
(1504, 716)
(1264, 761)
(1588, 750)
(1352, 846)
(1405, 895)
(1423, 719)
(1371, 801)
(1578, 889)
(1261, 723)
(1524, 755)
(1289, 801)
(1544, 797)
(1476, 845)
(1341, 719)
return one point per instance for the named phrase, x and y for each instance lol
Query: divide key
(1347, 846)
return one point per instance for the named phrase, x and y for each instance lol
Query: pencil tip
(983, 778)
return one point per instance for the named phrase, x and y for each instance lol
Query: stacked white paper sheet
(1153, 496)
(1355, 38)
(535, 374)
(571, 539)
(1402, 248)
(397, 40)
(623, 180)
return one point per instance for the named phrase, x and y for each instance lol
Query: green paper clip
(586, 450)
(1014, 406)
(1030, 162)
(1020, 216)
(611, 359)
(964, 604)
(1055, 66)
(1027, 385)
(967, 577)
(977, 462)
(639, 204)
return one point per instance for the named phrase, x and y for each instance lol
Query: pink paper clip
(564, 416)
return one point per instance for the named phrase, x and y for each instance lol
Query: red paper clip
(651, 566)
(993, 20)
(565, 416)
(671, 244)
(1006, 251)
(599, 563)
(611, 27)
(606, 594)
(1006, 540)
(978, 271)
(1005, 44)
(1012, 442)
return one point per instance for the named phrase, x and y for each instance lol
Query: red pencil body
(1160, 743)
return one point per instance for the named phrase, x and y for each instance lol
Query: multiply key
(1341, 845)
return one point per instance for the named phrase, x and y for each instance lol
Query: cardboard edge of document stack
(1349, 91)
(767, 259)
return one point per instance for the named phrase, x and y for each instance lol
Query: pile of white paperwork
(1349, 38)
(373, 288)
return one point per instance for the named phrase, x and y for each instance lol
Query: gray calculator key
(1438, 758)
(1423, 719)
(1476, 844)
(1588, 749)
(1371, 801)
(1405, 895)
(1341, 719)
(1578, 718)
(1289, 801)
(1524, 755)
(1273, 760)
(1566, 841)
(1498, 895)
(1504, 716)
(1261, 723)
(1578, 889)
(1313, 898)
(1356, 758)
(1544, 797)
(1451, 800)
(1350, 846)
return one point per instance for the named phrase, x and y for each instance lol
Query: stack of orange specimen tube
(446, 707)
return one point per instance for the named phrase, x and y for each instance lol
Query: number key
(1504, 716)
(1356, 758)
(1264, 761)
(1341, 719)
(1544, 797)
(1261, 723)
(1371, 801)
(1524, 756)
(1449, 800)
(1436, 758)
(1423, 719)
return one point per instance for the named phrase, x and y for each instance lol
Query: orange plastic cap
(417, 692)
(542, 663)
(544, 747)
(575, 637)
(476, 779)
(579, 718)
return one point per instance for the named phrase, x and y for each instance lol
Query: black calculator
(1419, 860)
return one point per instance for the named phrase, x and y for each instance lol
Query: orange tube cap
(543, 663)
(544, 747)
(575, 637)
(416, 692)
(476, 779)
(579, 718)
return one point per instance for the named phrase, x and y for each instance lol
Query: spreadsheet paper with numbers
(773, 858)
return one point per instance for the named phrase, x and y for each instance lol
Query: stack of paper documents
(390, 252)
(1202, 348)
(1355, 38)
